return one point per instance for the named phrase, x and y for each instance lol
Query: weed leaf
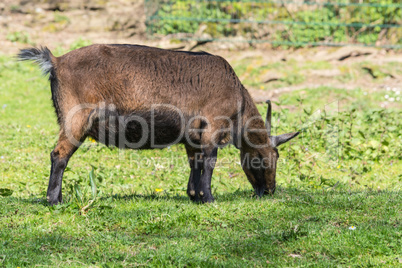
(93, 185)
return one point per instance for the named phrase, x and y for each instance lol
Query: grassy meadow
(338, 202)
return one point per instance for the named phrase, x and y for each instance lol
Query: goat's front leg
(204, 187)
(196, 165)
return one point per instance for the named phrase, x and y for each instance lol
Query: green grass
(292, 228)
(139, 214)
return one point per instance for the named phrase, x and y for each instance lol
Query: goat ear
(281, 139)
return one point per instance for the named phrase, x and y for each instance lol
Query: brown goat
(140, 97)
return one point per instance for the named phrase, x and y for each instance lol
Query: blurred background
(327, 42)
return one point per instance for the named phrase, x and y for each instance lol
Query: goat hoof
(206, 198)
(192, 194)
(53, 200)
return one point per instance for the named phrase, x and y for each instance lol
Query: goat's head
(259, 162)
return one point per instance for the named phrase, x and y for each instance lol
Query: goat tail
(42, 56)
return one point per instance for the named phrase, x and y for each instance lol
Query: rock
(271, 76)
(347, 52)
(122, 19)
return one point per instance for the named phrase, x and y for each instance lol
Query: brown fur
(133, 78)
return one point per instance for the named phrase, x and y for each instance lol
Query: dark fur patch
(140, 129)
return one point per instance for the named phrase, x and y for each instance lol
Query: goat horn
(268, 119)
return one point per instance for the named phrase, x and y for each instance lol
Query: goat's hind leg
(59, 157)
(69, 141)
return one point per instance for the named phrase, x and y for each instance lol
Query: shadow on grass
(288, 195)
(291, 196)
